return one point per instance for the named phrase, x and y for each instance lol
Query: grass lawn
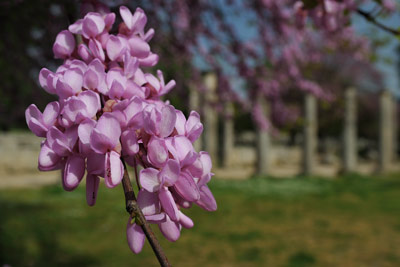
(349, 221)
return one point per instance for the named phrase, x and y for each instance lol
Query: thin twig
(133, 209)
(136, 173)
(373, 20)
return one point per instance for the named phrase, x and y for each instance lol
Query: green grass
(349, 221)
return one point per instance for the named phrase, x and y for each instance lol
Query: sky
(388, 55)
(388, 52)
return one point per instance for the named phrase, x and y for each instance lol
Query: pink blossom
(39, 123)
(109, 111)
(64, 45)
(92, 25)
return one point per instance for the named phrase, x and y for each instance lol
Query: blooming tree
(259, 48)
(109, 113)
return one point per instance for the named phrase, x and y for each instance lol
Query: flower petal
(92, 25)
(180, 123)
(92, 102)
(148, 202)
(92, 187)
(129, 142)
(50, 113)
(149, 179)
(135, 237)
(73, 172)
(64, 44)
(43, 74)
(156, 218)
(207, 200)
(185, 221)
(115, 48)
(138, 47)
(105, 136)
(84, 132)
(48, 159)
(168, 119)
(33, 118)
(186, 187)
(76, 28)
(114, 170)
(96, 49)
(126, 16)
(170, 172)
(193, 126)
(84, 53)
(157, 152)
(170, 229)
(149, 61)
(168, 203)
(96, 164)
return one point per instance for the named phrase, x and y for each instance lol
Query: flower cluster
(333, 15)
(109, 112)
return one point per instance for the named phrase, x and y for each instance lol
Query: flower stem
(133, 209)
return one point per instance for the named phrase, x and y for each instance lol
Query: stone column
(229, 135)
(385, 131)
(210, 136)
(195, 102)
(310, 134)
(395, 129)
(350, 130)
(263, 144)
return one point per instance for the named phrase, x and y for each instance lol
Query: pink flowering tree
(259, 48)
(109, 114)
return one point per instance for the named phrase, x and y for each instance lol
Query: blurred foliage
(28, 30)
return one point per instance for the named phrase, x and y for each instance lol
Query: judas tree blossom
(109, 112)
(270, 56)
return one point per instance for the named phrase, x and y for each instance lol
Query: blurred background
(301, 122)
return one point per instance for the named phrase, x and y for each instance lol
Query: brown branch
(133, 209)
(136, 173)
(373, 20)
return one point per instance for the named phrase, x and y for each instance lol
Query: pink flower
(95, 77)
(158, 87)
(64, 44)
(151, 208)
(153, 181)
(92, 25)
(39, 123)
(159, 120)
(84, 53)
(138, 47)
(389, 5)
(116, 47)
(96, 49)
(104, 139)
(69, 83)
(191, 128)
(109, 112)
(78, 108)
(136, 22)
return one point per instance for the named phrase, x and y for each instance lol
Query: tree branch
(373, 20)
(133, 209)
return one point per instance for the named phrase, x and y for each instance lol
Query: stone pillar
(310, 134)
(395, 129)
(229, 135)
(210, 136)
(195, 103)
(350, 130)
(263, 144)
(385, 131)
